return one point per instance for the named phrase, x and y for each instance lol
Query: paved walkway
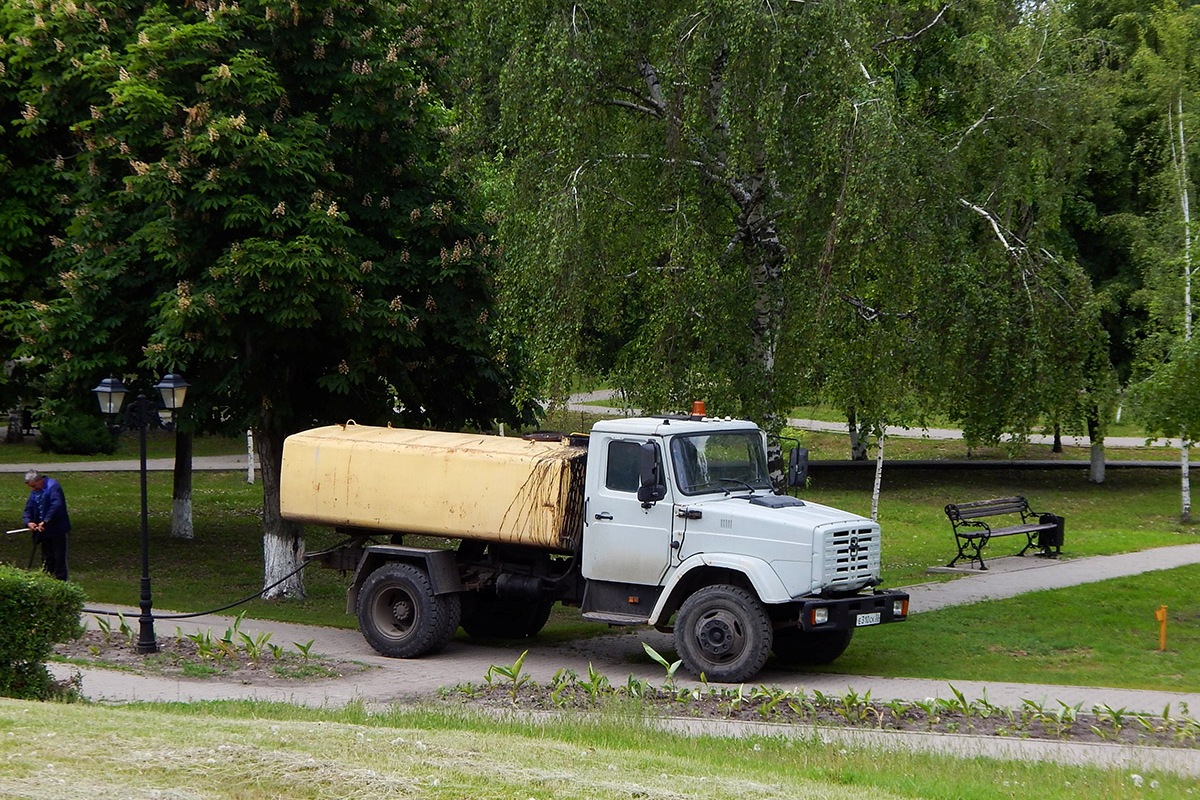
(589, 402)
(199, 464)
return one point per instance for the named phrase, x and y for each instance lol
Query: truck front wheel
(724, 633)
(401, 617)
(794, 646)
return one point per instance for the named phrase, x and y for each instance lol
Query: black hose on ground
(234, 604)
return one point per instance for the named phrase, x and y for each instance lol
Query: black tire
(794, 646)
(401, 617)
(486, 616)
(724, 633)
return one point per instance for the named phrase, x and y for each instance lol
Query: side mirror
(798, 467)
(651, 489)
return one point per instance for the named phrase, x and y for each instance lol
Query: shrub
(76, 433)
(37, 611)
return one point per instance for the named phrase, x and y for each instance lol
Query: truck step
(616, 617)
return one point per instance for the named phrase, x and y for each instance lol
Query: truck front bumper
(856, 611)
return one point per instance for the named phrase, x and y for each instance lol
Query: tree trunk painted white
(181, 490)
(1095, 430)
(283, 541)
(181, 518)
(1096, 464)
(249, 456)
(878, 479)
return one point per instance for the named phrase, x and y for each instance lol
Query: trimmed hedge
(36, 611)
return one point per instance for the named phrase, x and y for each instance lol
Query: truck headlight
(900, 608)
(820, 616)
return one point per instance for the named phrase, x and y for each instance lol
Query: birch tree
(712, 200)
(1167, 67)
(1020, 325)
(1179, 166)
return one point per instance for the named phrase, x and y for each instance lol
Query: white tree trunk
(249, 456)
(283, 541)
(1179, 153)
(1181, 167)
(181, 518)
(860, 437)
(776, 469)
(1185, 513)
(1096, 465)
(181, 489)
(282, 555)
(878, 479)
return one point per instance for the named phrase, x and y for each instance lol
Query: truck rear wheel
(724, 633)
(486, 616)
(794, 646)
(401, 617)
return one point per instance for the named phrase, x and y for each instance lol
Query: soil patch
(205, 658)
(773, 705)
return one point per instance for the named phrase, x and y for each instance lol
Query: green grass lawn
(1101, 634)
(1133, 509)
(222, 564)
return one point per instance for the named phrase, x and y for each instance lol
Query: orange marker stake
(1161, 616)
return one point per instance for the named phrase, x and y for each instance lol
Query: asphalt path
(590, 402)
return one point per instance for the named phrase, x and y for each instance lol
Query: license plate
(867, 619)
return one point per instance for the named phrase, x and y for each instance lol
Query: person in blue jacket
(46, 516)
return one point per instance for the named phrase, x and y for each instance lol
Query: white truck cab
(679, 504)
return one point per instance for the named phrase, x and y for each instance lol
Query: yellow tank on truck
(459, 485)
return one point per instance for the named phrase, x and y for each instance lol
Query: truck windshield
(720, 462)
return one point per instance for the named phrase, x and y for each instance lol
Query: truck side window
(621, 474)
(691, 467)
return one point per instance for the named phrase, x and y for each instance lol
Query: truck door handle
(604, 515)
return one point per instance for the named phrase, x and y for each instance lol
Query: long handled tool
(33, 552)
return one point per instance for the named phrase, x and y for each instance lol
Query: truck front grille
(851, 557)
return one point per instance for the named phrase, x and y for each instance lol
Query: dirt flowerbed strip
(510, 688)
(202, 655)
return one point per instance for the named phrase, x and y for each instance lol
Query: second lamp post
(111, 395)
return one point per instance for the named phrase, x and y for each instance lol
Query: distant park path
(590, 402)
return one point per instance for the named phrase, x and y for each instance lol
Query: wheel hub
(402, 612)
(718, 634)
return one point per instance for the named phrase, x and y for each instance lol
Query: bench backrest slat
(987, 508)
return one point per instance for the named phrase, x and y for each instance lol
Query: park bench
(972, 532)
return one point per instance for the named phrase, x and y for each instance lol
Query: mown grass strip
(250, 751)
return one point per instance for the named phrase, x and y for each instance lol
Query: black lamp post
(111, 394)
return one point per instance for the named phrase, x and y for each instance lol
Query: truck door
(624, 542)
